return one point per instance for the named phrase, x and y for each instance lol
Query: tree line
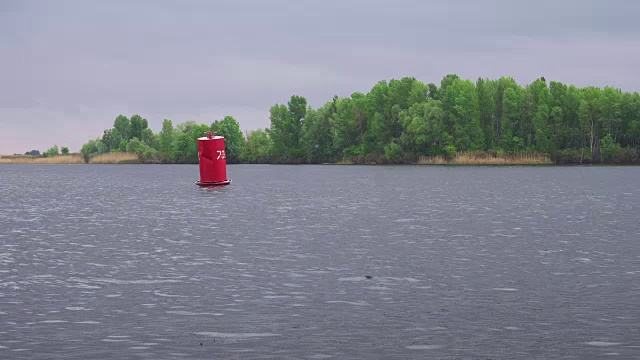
(51, 152)
(400, 120)
(173, 144)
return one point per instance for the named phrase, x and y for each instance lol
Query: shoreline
(341, 163)
(479, 158)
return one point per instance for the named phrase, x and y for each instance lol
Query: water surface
(319, 262)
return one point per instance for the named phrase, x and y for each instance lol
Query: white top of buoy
(210, 138)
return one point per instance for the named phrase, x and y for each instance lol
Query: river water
(319, 262)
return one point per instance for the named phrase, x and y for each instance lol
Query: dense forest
(401, 120)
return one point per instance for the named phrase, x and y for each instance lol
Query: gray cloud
(69, 67)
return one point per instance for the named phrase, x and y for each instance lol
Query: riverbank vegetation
(77, 158)
(56, 159)
(487, 158)
(407, 121)
(115, 158)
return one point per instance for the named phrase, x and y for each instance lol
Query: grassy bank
(464, 158)
(484, 158)
(24, 159)
(109, 158)
(115, 158)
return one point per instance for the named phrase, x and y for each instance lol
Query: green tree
(88, 150)
(136, 126)
(52, 151)
(233, 137)
(122, 146)
(316, 135)
(297, 107)
(108, 139)
(486, 93)
(279, 117)
(402, 119)
(445, 82)
(570, 130)
(379, 126)
(543, 130)
(257, 147)
(611, 117)
(394, 153)
(186, 127)
(100, 146)
(286, 127)
(555, 124)
(465, 115)
(432, 91)
(609, 148)
(379, 132)
(185, 145)
(348, 121)
(590, 113)
(629, 131)
(510, 117)
(65, 150)
(166, 139)
(122, 126)
(424, 128)
(148, 154)
(146, 136)
(134, 145)
(180, 152)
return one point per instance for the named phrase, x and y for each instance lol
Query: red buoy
(212, 159)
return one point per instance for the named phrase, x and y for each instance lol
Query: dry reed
(483, 158)
(115, 158)
(59, 159)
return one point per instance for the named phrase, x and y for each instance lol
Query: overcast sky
(68, 68)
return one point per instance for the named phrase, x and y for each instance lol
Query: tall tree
(166, 139)
(136, 126)
(465, 115)
(279, 133)
(317, 138)
(348, 121)
(122, 126)
(286, 127)
(233, 137)
(257, 147)
(590, 113)
(297, 109)
(487, 90)
(424, 129)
